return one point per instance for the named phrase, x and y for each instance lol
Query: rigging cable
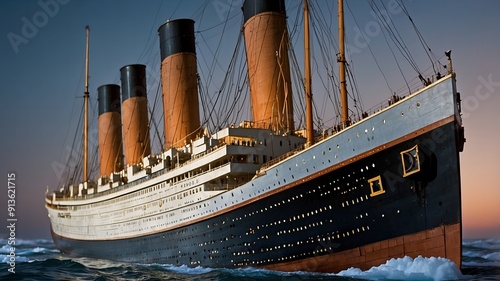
(94, 141)
(214, 62)
(79, 160)
(389, 31)
(370, 49)
(143, 53)
(426, 47)
(323, 32)
(395, 36)
(298, 81)
(218, 100)
(239, 91)
(77, 91)
(152, 119)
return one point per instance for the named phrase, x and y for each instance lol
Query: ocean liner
(263, 194)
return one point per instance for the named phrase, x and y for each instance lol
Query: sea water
(40, 260)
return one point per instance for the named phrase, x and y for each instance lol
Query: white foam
(5, 249)
(33, 242)
(184, 269)
(406, 268)
(97, 263)
(6, 259)
(29, 251)
(260, 273)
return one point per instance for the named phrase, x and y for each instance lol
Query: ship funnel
(110, 130)
(135, 113)
(179, 82)
(266, 43)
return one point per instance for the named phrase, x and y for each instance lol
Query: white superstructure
(164, 191)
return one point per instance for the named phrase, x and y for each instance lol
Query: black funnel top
(108, 97)
(133, 78)
(255, 7)
(176, 36)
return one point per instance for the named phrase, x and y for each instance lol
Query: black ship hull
(402, 198)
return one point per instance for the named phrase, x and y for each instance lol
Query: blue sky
(42, 49)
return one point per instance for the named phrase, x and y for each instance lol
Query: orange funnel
(266, 42)
(110, 129)
(135, 113)
(179, 82)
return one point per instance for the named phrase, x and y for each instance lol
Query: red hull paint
(443, 241)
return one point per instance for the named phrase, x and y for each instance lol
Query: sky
(42, 54)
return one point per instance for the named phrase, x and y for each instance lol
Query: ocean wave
(19, 251)
(36, 251)
(492, 256)
(98, 263)
(406, 268)
(481, 264)
(183, 269)
(480, 258)
(246, 273)
(29, 242)
(495, 256)
(472, 254)
(486, 244)
(7, 258)
(5, 249)
(259, 273)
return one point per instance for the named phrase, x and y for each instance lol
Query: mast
(86, 110)
(307, 66)
(341, 61)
